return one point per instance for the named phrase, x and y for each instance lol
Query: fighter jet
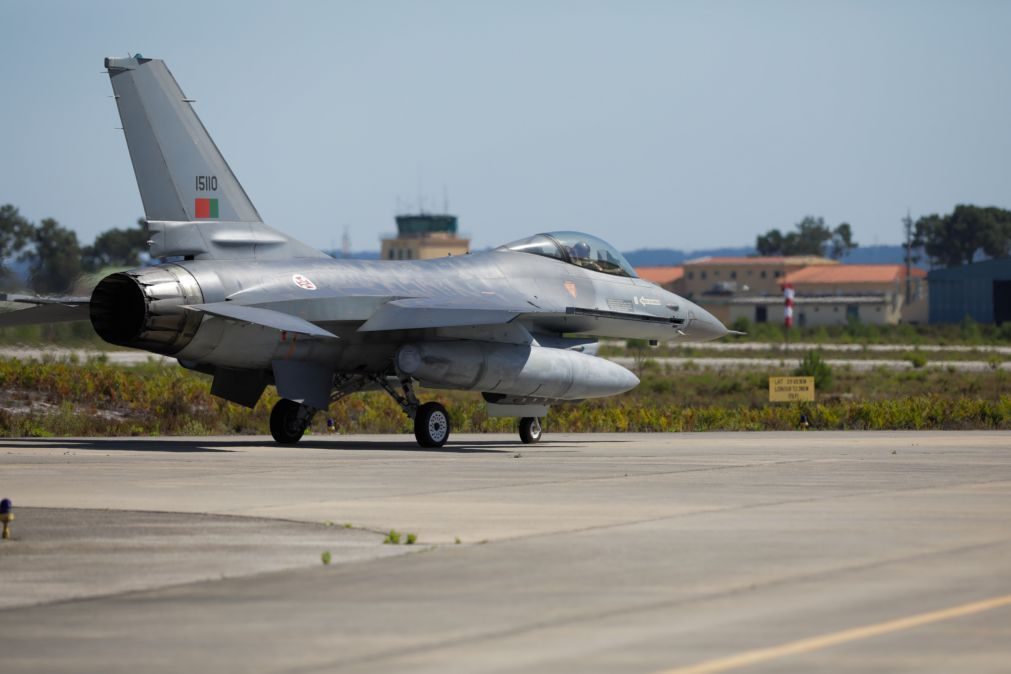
(238, 300)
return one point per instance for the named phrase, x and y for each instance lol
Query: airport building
(668, 278)
(827, 292)
(744, 275)
(981, 290)
(424, 236)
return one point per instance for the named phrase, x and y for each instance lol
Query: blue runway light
(6, 516)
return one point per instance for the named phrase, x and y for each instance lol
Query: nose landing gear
(431, 425)
(431, 420)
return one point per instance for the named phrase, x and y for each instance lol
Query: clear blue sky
(650, 124)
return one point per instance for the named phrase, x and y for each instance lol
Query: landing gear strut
(431, 420)
(530, 430)
(288, 421)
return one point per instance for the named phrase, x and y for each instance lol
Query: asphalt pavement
(603, 553)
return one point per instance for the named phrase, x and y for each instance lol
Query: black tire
(530, 430)
(431, 425)
(285, 425)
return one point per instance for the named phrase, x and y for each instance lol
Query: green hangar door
(1001, 302)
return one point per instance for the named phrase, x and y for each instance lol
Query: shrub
(813, 365)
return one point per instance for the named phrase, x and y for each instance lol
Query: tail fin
(192, 200)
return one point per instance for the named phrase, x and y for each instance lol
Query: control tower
(424, 236)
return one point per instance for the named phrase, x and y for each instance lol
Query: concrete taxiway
(597, 553)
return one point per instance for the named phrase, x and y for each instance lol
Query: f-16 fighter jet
(250, 306)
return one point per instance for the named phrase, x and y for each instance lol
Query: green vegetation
(812, 237)
(75, 335)
(325, 557)
(813, 365)
(955, 239)
(412, 539)
(55, 257)
(95, 398)
(392, 538)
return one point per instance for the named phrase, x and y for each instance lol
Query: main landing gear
(288, 421)
(431, 420)
(530, 430)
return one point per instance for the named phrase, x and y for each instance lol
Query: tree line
(54, 255)
(56, 258)
(944, 240)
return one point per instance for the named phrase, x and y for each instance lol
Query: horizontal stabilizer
(416, 314)
(35, 299)
(264, 317)
(45, 310)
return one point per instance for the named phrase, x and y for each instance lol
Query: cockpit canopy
(576, 248)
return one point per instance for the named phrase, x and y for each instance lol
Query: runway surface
(592, 553)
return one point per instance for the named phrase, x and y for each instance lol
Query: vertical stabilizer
(192, 201)
(176, 162)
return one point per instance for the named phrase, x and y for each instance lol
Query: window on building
(763, 273)
(702, 275)
(716, 272)
(853, 312)
(777, 274)
(733, 274)
(389, 254)
(762, 314)
(691, 275)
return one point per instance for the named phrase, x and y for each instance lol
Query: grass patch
(98, 399)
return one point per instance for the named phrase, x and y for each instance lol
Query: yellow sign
(790, 389)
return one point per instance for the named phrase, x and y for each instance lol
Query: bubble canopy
(576, 248)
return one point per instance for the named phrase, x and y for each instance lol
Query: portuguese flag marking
(205, 208)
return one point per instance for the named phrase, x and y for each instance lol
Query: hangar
(981, 290)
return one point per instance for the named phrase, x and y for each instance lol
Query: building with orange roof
(834, 294)
(668, 278)
(713, 281)
(747, 275)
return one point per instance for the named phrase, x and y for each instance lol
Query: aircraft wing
(420, 313)
(265, 317)
(44, 310)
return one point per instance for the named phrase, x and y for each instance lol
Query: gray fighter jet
(238, 300)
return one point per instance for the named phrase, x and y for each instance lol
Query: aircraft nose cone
(705, 327)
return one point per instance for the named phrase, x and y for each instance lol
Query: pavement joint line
(640, 608)
(547, 483)
(820, 642)
(720, 510)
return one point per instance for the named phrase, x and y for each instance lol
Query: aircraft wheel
(287, 423)
(530, 430)
(431, 425)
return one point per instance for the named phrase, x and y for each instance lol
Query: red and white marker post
(787, 312)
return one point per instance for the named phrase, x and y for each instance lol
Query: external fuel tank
(525, 371)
